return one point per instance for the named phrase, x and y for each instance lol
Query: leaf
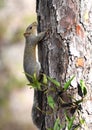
(49, 129)
(67, 84)
(28, 75)
(57, 125)
(35, 83)
(51, 102)
(70, 121)
(70, 125)
(34, 76)
(54, 81)
(78, 101)
(83, 87)
(67, 117)
(45, 81)
(82, 121)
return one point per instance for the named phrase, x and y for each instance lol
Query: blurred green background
(16, 97)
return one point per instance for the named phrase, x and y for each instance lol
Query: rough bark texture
(66, 52)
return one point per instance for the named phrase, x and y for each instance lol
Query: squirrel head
(31, 30)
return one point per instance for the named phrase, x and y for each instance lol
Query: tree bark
(66, 53)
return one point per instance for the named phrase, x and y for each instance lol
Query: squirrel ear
(34, 23)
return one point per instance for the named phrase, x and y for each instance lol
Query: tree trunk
(65, 53)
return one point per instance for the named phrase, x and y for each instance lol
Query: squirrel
(32, 65)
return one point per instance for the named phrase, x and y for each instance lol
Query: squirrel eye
(31, 27)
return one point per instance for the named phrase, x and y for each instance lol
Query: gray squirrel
(32, 65)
